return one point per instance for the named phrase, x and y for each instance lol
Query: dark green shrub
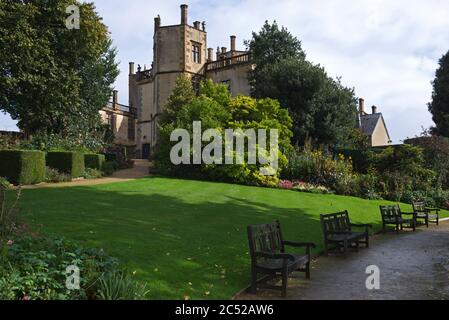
(436, 154)
(71, 163)
(365, 186)
(400, 170)
(433, 197)
(111, 157)
(358, 158)
(94, 161)
(54, 176)
(109, 167)
(22, 167)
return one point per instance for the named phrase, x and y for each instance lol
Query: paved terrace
(412, 266)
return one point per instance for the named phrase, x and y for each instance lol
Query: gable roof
(369, 123)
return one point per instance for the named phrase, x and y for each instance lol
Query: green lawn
(184, 238)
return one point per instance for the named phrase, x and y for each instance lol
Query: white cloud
(387, 50)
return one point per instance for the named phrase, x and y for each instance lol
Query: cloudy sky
(387, 50)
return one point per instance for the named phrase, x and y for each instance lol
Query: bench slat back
(419, 206)
(266, 238)
(335, 222)
(390, 212)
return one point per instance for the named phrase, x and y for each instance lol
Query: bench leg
(284, 283)
(438, 220)
(367, 240)
(384, 228)
(345, 247)
(326, 249)
(253, 281)
(308, 270)
(427, 222)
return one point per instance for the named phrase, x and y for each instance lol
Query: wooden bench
(268, 256)
(337, 230)
(392, 215)
(426, 213)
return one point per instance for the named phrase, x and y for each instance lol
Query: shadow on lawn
(170, 240)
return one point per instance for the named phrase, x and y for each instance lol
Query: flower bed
(303, 187)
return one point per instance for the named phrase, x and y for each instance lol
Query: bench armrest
(408, 213)
(269, 255)
(300, 244)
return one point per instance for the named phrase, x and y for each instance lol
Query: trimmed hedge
(22, 167)
(71, 163)
(94, 161)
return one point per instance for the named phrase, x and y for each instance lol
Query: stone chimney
(184, 14)
(210, 55)
(374, 109)
(223, 49)
(197, 25)
(218, 53)
(204, 25)
(361, 106)
(157, 23)
(131, 68)
(115, 99)
(233, 38)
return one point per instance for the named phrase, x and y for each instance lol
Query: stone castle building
(182, 50)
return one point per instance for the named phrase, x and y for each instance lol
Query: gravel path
(140, 170)
(413, 265)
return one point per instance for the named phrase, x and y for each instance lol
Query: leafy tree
(323, 110)
(53, 79)
(216, 109)
(401, 169)
(436, 155)
(183, 94)
(273, 44)
(439, 107)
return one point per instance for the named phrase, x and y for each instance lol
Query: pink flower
(285, 184)
(27, 298)
(10, 243)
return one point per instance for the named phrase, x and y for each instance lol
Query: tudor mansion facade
(179, 50)
(182, 50)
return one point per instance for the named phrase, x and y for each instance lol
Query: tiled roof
(368, 122)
